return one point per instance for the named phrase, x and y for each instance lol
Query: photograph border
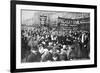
(13, 35)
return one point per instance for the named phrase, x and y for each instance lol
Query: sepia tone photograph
(54, 36)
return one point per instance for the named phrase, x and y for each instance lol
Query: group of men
(43, 46)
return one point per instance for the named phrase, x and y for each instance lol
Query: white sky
(32, 16)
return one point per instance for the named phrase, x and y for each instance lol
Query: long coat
(33, 57)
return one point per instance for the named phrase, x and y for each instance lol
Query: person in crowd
(47, 56)
(34, 55)
(55, 56)
(63, 53)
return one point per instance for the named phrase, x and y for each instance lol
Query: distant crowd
(42, 45)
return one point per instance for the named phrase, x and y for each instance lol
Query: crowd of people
(44, 44)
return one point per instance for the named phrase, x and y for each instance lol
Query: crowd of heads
(52, 45)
